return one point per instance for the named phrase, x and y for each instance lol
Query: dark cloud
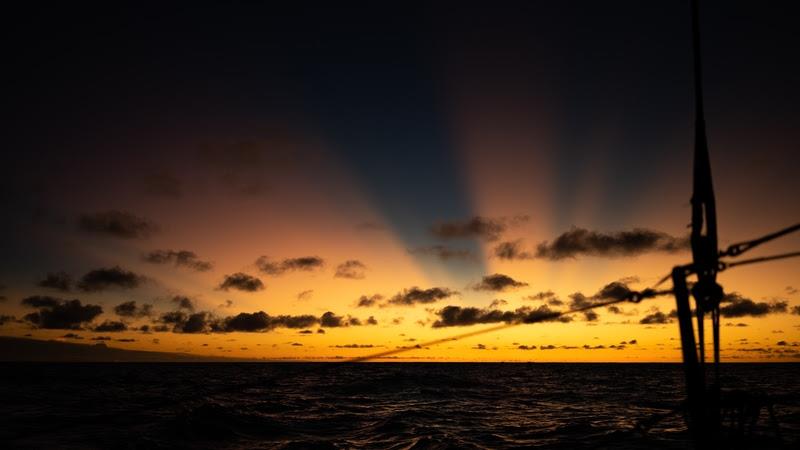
(183, 322)
(60, 281)
(497, 303)
(371, 320)
(451, 316)
(796, 310)
(331, 320)
(656, 317)
(179, 258)
(183, 302)
(352, 269)
(6, 318)
(444, 253)
(791, 290)
(261, 321)
(305, 295)
(72, 336)
(117, 224)
(498, 282)
(101, 338)
(110, 327)
(366, 302)
(41, 301)
(416, 295)
(241, 281)
(511, 250)
(304, 263)
(60, 314)
(734, 305)
(476, 227)
(583, 242)
(131, 309)
(526, 347)
(114, 277)
(356, 346)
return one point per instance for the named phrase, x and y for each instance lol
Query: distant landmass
(33, 350)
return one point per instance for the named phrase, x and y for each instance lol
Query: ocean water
(373, 405)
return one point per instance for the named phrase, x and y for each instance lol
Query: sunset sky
(300, 182)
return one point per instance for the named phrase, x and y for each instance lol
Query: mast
(705, 263)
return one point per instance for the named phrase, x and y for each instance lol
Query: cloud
(41, 301)
(791, 290)
(416, 295)
(304, 263)
(796, 310)
(734, 305)
(72, 336)
(583, 242)
(352, 269)
(57, 314)
(182, 322)
(179, 258)
(60, 281)
(305, 295)
(106, 278)
(511, 250)
(6, 318)
(183, 302)
(110, 327)
(366, 302)
(498, 282)
(131, 309)
(497, 302)
(444, 253)
(451, 316)
(355, 346)
(117, 224)
(657, 317)
(476, 227)
(242, 282)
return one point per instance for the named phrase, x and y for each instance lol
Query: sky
(328, 182)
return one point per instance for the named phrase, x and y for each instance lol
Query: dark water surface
(375, 405)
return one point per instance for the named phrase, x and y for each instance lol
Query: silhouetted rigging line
(634, 297)
(741, 247)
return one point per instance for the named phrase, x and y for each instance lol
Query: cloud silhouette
(107, 278)
(110, 326)
(131, 309)
(476, 227)
(451, 316)
(60, 281)
(242, 282)
(304, 263)
(583, 242)
(511, 251)
(368, 301)
(179, 258)
(444, 253)
(415, 295)
(498, 282)
(656, 317)
(734, 305)
(57, 314)
(117, 224)
(183, 302)
(352, 269)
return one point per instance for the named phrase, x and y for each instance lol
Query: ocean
(370, 405)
